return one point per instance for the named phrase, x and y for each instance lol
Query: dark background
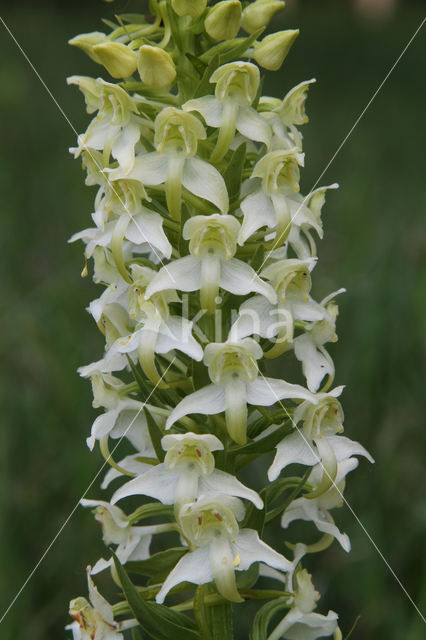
(374, 246)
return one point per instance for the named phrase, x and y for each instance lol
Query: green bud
(223, 20)
(156, 67)
(193, 8)
(258, 14)
(118, 60)
(86, 42)
(271, 52)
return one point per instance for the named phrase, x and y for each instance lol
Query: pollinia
(204, 249)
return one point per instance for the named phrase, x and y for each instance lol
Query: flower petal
(268, 391)
(252, 126)
(150, 169)
(101, 427)
(210, 108)
(147, 226)
(123, 148)
(294, 449)
(194, 567)
(176, 333)
(314, 364)
(258, 212)
(158, 482)
(129, 463)
(207, 401)
(202, 179)
(240, 279)
(345, 448)
(220, 482)
(182, 274)
(252, 549)
(308, 510)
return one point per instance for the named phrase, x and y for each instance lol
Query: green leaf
(137, 376)
(234, 171)
(274, 513)
(200, 611)
(259, 630)
(110, 24)
(160, 564)
(136, 634)
(198, 64)
(204, 87)
(241, 46)
(157, 620)
(352, 629)
(220, 622)
(200, 375)
(155, 434)
(132, 18)
(264, 444)
(259, 257)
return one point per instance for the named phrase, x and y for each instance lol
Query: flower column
(205, 248)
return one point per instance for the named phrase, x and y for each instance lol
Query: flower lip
(231, 360)
(214, 234)
(190, 456)
(205, 520)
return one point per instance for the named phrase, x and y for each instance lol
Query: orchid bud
(258, 14)
(87, 41)
(118, 60)
(193, 8)
(223, 20)
(156, 67)
(271, 52)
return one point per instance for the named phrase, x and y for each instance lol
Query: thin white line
(346, 503)
(78, 503)
(379, 88)
(85, 147)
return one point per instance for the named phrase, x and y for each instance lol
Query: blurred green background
(374, 246)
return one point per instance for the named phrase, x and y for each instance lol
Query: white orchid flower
(291, 281)
(283, 116)
(210, 265)
(309, 346)
(94, 619)
(187, 472)
(175, 164)
(121, 218)
(117, 128)
(236, 383)
(230, 108)
(132, 542)
(269, 205)
(301, 621)
(218, 547)
(305, 216)
(123, 416)
(156, 330)
(316, 441)
(316, 509)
